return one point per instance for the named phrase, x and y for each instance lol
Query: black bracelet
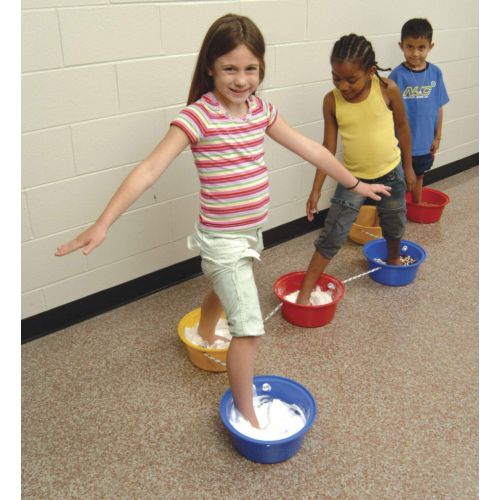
(355, 185)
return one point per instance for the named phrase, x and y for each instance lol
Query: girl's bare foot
(211, 339)
(302, 300)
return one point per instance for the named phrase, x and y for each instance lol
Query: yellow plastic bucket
(366, 222)
(212, 360)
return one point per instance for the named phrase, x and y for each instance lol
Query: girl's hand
(371, 190)
(312, 205)
(88, 240)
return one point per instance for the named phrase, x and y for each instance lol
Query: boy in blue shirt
(424, 95)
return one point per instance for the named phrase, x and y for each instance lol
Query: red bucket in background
(430, 213)
(307, 316)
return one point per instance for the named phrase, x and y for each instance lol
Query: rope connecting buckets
(376, 253)
(270, 452)
(308, 316)
(367, 226)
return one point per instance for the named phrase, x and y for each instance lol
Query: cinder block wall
(102, 79)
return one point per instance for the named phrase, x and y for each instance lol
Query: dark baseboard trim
(293, 229)
(105, 300)
(87, 307)
(440, 173)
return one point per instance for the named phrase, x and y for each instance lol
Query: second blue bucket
(393, 275)
(270, 452)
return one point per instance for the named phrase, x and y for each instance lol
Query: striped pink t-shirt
(229, 156)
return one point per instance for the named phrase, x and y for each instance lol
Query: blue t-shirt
(423, 93)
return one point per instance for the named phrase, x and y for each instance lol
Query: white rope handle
(279, 306)
(273, 312)
(362, 274)
(211, 358)
(370, 234)
(268, 317)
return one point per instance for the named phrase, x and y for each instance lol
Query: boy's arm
(141, 178)
(402, 130)
(437, 133)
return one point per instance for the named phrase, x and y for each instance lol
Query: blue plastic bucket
(393, 275)
(270, 452)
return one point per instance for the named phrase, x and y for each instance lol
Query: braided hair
(355, 48)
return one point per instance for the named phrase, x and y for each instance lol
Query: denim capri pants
(227, 261)
(345, 208)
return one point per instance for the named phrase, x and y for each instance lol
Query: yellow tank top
(367, 130)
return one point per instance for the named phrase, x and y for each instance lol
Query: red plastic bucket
(424, 213)
(307, 316)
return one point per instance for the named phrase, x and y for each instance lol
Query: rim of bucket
(364, 208)
(269, 378)
(180, 331)
(366, 227)
(339, 291)
(434, 205)
(392, 266)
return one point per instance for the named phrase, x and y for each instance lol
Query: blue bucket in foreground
(393, 275)
(270, 452)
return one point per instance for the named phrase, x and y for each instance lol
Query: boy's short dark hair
(416, 28)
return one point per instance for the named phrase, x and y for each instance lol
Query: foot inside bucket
(376, 253)
(270, 452)
(318, 296)
(221, 331)
(406, 260)
(307, 316)
(431, 207)
(277, 419)
(209, 359)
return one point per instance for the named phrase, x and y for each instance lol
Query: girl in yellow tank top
(367, 130)
(370, 116)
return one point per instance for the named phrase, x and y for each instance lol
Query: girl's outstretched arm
(319, 156)
(141, 178)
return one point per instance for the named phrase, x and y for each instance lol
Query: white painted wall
(103, 78)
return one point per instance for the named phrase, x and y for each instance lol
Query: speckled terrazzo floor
(112, 408)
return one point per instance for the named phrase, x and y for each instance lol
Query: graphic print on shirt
(418, 92)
